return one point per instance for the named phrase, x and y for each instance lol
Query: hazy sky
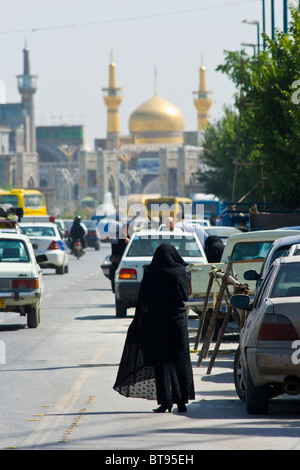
(70, 44)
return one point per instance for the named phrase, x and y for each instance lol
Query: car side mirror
(251, 275)
(240, 301)
(41, 258)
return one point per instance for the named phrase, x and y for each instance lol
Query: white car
(21, 280)
(222, 231)
(46, 240)
(139, 253)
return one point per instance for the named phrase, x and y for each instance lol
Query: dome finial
(155, 80)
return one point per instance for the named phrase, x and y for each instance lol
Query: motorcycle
(78, 249)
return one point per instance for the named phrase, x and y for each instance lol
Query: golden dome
(157, 121)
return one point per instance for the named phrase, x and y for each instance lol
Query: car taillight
(126, 273)
(277, 328)
(24, 283)
(53, 245)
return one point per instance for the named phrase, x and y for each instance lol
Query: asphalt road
(56, 383)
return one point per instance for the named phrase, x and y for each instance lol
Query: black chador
(156, 363)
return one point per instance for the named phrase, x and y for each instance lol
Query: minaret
(202, 100)
(112, 98)
(27, 88)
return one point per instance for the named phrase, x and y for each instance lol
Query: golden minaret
(202, 100)
(112, 97)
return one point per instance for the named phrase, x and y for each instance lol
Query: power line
(123, 20)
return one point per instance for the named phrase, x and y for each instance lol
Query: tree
(220, 151)
(228, 144)
(275, 119)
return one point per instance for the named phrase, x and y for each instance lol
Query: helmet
(78, 218)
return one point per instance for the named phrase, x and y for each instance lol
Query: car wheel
(121, 308)
(97, 246)
(60, 269)
(66, 269)
(257, 398)
(33, 317)
(239, 381)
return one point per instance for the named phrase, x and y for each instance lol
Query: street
(56, 382)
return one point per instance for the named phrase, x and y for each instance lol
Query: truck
(246, 251)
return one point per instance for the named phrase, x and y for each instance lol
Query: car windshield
(248, 251)
(13, 251)
(39, 231)
(287, 282)
(146, 246)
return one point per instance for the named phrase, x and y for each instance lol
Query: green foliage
(264, 125)
(221, 148)
(275, 119)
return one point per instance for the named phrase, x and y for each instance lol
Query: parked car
(139, 253)
(279, 247)
(21, 280)
(92, 239)
(46, 239)
(264, 365)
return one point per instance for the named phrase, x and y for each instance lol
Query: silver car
(267, 361)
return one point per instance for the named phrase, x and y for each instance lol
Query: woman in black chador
(156, 362)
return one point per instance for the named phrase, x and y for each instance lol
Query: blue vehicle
(206, 206)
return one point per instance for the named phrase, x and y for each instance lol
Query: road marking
(66, 403)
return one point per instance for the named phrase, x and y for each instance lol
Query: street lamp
(258, 34)
(248, 44)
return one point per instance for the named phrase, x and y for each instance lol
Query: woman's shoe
(163, 409)
(181, 407)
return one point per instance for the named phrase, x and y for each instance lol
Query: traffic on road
(58, 366)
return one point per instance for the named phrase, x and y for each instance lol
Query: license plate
(2, 303)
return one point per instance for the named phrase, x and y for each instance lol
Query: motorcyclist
(78, 231)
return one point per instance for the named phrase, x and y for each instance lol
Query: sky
(162, 42)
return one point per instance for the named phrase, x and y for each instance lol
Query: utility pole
(264, 22)
(285, 16)
(272, 20)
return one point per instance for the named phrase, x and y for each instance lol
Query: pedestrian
(117, 249)
(182, 224)
(156, 363)
(214, 248)
(170, 225)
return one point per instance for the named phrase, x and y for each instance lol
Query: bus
(206, 206)
(168, 206)
(135, 199)
(31, 201)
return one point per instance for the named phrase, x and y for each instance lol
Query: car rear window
(287, 282)
(13, 251)
(39, 231)
(142, 246)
